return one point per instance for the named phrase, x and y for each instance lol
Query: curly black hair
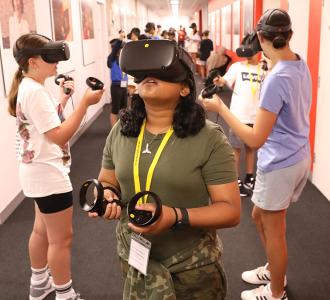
(188, 119)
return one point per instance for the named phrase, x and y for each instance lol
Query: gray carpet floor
(95, 266)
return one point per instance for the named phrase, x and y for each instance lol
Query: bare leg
(59, 229)
(256, 217)
(249, 159)
(113, 119)
(274, 229)
(38, 243)
(203, 72)
(237, 153)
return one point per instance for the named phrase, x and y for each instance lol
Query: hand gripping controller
(210, 90)
(100, 203)
(66, 90)
(140, 218)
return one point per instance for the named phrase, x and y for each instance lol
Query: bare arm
(254, 137)
(224, 211)
(62, 134)
(108, 177)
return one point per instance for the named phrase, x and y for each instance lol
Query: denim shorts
(275, 190)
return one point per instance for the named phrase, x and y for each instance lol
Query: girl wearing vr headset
(281, 132)
(44, 156)
(244, 77)
(195, 178)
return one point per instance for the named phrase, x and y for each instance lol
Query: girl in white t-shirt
(194, 40)
(44, 155)
(244, 77)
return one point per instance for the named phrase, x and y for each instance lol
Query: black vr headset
(52, 52)
(250, 45)
(161, 59)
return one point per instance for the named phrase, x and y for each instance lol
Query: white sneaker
(261, 293)
(41, 291)
(259, 276)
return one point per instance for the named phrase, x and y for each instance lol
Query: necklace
(146, 150)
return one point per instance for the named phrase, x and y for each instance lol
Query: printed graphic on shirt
(22, 147)
(246, 76)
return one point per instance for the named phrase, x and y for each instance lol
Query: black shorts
(118, 98)
(54, 203)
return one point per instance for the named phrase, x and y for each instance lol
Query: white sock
(39, 275)
(64, 291)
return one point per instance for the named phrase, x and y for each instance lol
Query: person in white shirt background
(18, 25)
(194, 40)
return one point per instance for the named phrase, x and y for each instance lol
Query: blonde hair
(12, 97)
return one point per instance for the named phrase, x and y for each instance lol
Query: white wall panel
(322, 134)
(299, 13)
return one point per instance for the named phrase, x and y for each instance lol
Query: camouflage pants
(203, 283)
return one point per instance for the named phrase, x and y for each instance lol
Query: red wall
(213, 5)
(314, 35)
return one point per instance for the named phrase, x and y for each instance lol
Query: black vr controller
(66, 90)
(140, 218)
(210, 90)
(94, 83)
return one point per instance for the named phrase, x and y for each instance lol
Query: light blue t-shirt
(286, 92)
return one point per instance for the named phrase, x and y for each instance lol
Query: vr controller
(67, 91)
(140, 218)
(210, 90)
(94, 83)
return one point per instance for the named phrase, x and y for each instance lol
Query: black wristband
(185, 216)
(176, 216)
(184, 222)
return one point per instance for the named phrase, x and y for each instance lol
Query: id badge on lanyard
(123, 82)
(139, 253)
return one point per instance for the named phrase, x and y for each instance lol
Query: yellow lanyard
(137, 185)
(254, 86)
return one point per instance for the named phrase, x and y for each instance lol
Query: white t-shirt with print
(44, 166)
(245, 98)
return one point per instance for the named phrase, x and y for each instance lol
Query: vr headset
(161, 59)
(52, 52)
(251, 45)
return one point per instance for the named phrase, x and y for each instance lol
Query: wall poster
(87, 27)
(226, 27)
(62, 20)
(17, 17)
(248, 16)
(236, 25)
